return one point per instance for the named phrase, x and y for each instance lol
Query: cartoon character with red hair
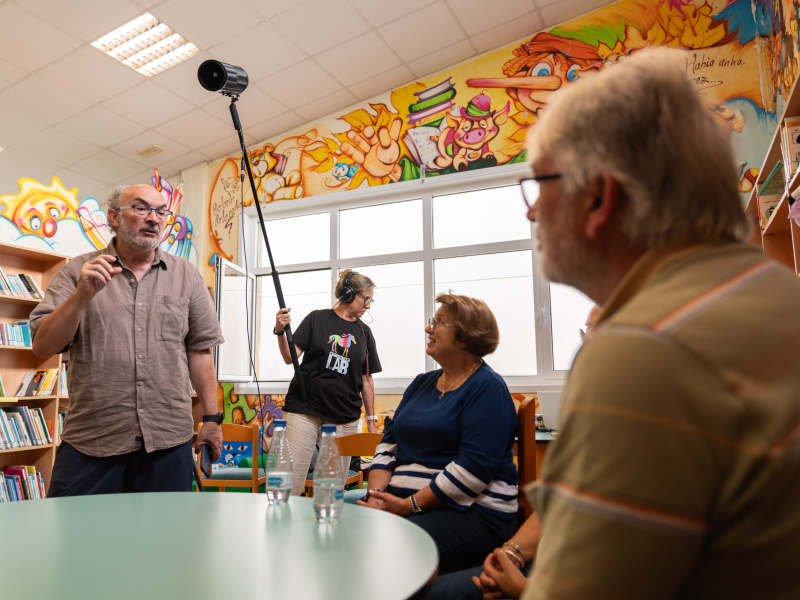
(539, 68)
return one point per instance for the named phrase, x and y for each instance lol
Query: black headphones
(346, 293)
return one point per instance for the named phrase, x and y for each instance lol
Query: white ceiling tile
(84, 18)
(130, 148)
(141, 178)
(100, 126)
(30, 42)
(182, 80)
(565, 10)
(271, 8)
(9, 186)
(147, 3)
(441, 59)
(378, 12)
(10, 73)
(14, 128)
(174, 167)
(206, 23)
(254, 107)
(225, 147)
(56, 147)
(14, 166)
(148, 104)
(280, 124)
(260, 51)
(85, 185)
(106, 166)
(196, 129)
(100, 195)
(327, 105)
(317, 25)
(476, 15)
(300, 84)
(521, 27)
(358, 59)
(92, 74)
(40, 100)
(428, 29)
(382, 83)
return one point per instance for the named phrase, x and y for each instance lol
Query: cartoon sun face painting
(50, 218)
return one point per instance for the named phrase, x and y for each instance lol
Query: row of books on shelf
(772, 190)
(21, 285)
(21, 482)
(38, 383)
(16, 333)
(24, 427)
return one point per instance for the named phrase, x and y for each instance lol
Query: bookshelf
(780, 238)
(16, 361)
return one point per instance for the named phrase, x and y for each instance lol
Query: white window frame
(547, 379)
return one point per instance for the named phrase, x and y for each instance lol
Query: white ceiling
(68, 110)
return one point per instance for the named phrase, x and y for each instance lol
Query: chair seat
(353, 496)
(349, 474)
(236, 474)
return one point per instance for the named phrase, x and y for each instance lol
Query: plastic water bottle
(328, 478)
(279, 466)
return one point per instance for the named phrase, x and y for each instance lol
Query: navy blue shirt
(461, 445)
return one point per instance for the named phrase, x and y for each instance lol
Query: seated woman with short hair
(445, 460)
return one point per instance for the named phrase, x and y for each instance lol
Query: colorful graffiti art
(178, 230)
(50, 218)
(477, 114)
(241, 409)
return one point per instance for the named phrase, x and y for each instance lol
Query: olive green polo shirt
(676, 473)
(128, 375)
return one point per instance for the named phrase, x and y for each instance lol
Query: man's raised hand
(95, 274)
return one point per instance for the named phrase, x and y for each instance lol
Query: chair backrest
(526, 452)
(359, 444)
(239, 433)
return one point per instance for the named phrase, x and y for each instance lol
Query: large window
(462, 233)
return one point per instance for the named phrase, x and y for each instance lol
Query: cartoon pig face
(473, 134)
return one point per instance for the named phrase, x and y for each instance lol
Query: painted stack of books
(21, 285)
(23, 427)
(433, 104)
(21, 482)
(16, 333)
(38, 383)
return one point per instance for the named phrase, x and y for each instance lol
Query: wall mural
(778, 47)
(477, 114)
(50, 218)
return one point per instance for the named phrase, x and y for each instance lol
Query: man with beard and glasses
(136, 322)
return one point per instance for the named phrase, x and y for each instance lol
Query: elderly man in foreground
(677, 469)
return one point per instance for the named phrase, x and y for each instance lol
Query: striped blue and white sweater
(460, 445)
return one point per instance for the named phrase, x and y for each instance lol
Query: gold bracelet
(518, 549)
(513, 555)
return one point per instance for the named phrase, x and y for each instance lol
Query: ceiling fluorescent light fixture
(146, 46)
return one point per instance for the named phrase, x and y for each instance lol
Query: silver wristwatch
(415, 509)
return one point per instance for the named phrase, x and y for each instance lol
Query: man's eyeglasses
(531, 187)
(368, 300)
(162, 214)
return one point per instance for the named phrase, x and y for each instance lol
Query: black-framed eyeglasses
(162, 214)
(368, 300)
(531, 187)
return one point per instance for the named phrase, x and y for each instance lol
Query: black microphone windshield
(221, 77)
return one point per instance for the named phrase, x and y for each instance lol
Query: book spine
(22, 432)
(32, 429)
(27, 285)
(7, 426)
(34, 414)
(36, 285)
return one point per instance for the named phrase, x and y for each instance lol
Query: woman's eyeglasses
(432, 324)
(532, 186)
(368, 300)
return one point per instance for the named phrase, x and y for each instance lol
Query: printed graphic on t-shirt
(336, 362)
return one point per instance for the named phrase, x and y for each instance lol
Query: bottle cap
(329, 429)
(279, 423)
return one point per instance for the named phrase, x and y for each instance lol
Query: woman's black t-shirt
(333, 361)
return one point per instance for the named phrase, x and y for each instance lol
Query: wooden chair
(237, 477)
(526, 453)
(357, 444)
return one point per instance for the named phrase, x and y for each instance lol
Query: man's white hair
(641, 122)
(113, 203)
